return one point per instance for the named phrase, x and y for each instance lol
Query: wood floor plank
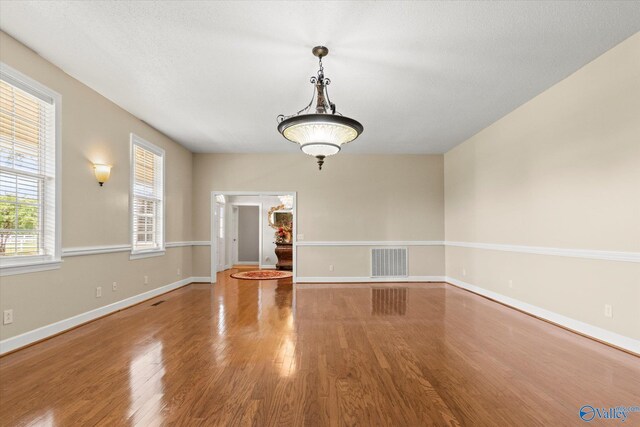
(239, 353)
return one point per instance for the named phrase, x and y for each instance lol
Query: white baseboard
(246, 263)
(268, 266)
(370, 279)
(567, 322)
(43, 332)
(203, 279)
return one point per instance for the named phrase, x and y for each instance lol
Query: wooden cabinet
(284, 252)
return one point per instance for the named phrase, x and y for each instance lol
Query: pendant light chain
(321, 70)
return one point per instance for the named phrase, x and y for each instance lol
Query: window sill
(146, 254)
(12, 269)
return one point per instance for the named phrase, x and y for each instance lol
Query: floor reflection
(248, 303)
(283, 297)
(45, 420)
(222, 318)
(248, 311)
(389, 301)
(146, 386)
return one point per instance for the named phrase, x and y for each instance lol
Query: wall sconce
(102, 173)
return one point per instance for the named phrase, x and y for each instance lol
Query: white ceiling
(420, 76)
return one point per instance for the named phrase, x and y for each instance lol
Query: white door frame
(234, 233)
(214, 223)
(216, 206)
(259, 205)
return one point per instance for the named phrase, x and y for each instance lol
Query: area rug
(262, 275)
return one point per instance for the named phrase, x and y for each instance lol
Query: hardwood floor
(264, 353)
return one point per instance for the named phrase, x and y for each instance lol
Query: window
(29, 179)
(147, 204)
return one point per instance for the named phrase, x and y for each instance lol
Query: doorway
(234, 229)
(248, 235)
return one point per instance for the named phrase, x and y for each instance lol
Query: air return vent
(389, 262)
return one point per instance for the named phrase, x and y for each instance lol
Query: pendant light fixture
(319, 129)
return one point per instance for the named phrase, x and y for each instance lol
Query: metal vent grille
(389, 262)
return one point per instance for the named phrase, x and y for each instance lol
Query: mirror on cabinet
(281, 219)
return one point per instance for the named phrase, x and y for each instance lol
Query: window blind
(148, 197)
(27, 171)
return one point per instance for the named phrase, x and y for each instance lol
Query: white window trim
(31, 264)
(146, 253)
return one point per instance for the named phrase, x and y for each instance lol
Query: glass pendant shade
(320, 134)
(320, 149)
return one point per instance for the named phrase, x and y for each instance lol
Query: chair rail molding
(107, 249)
(368, 279)
(542, 250)
(94, 250)
(372, 243)
(538, 250)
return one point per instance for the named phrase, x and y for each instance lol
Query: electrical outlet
(464, 271)
(300, 236)
(98, 291)
(146, 280)
(511, 284)
(330, 267)
(179, 271)
(7, 317)
(608, 310)
(114, 286)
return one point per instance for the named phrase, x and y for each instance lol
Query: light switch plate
(7, 317)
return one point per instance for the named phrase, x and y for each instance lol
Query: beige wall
(314, 261)
(563, 170)
(354, 197)
(39, 299)
(95, 130)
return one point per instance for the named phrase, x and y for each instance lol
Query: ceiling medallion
(321, 130)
